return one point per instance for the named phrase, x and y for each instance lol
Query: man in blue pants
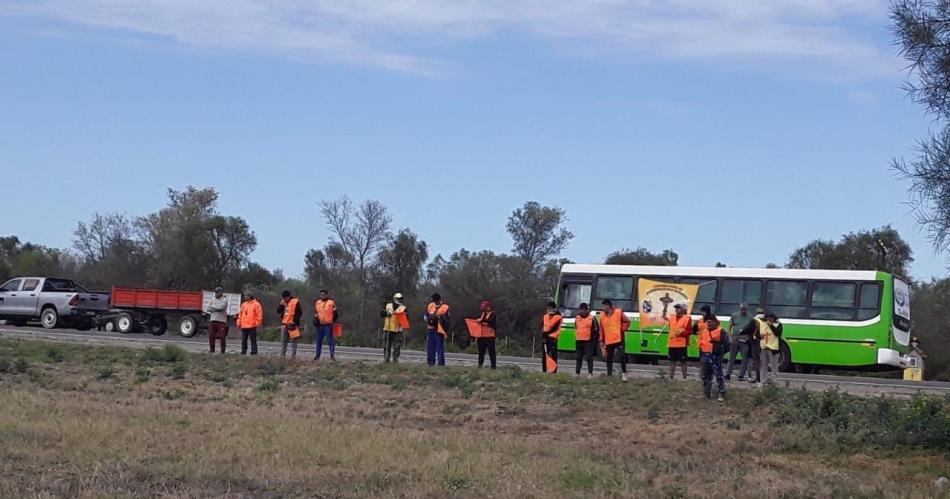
(437, 320)
(325, 314)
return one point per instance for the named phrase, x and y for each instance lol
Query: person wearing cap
(741, 328)
(324, 315)
(680, 329)
(550, 332)
(711, 350)
(486, 342)
(249, 319)
(218, 317)
(586, 329)
(290, 313)
(392, 329)
(770, 330)
(437, 319)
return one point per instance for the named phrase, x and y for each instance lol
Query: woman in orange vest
(710, 357)
(486, 342)
(324, 315)
(587, 328)
(681, 327)
(249, 319)
(437, 320)
(550, 331)
(290, 312)
(613, 324)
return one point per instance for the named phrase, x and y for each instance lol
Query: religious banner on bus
(658, 300)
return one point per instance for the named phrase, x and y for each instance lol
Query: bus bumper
(889, 357)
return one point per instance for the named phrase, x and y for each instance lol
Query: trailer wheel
(188, 326)
(109, 326)
(124, 323)
(157, 325)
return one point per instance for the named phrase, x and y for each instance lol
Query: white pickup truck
(54, 301)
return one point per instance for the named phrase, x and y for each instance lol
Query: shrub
(168, 353)
(269, 386)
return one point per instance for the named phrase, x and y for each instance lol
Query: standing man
(770, 330)
(218, 311)
(486, 342)
(249, 319)
(392, 329)
(550, 331)
(741, 327)
(437, 320)
(613, 324)
(710, 357)
(587, 329)
(290, 312)
(324, 315)
(681, 327)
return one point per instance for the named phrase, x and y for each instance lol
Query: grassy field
(81, 421)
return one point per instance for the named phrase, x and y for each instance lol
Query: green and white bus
(837, 318)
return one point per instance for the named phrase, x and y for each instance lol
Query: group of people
(755, 337)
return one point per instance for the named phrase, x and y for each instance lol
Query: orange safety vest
(290, 310)
(584, 327)
(441, 310)
(549, 321)
(487, 331)
(324, 310)
(251, 315)
(611, 325)
(680, 329)
(707, 337)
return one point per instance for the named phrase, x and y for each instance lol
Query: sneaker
(590, 375)
(684, 376)
(720, 398)
(623, 376)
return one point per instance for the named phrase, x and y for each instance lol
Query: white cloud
(366, 31)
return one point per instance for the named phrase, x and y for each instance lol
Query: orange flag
(550, 363)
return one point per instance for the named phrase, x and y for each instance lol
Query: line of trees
(189, 244)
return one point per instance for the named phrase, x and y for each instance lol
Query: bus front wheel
(784, 358)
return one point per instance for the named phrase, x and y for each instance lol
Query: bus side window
(870, 304)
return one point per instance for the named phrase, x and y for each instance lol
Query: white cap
(397, 296)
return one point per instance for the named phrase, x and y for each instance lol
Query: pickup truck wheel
(157, 325)
(124, 323)
(49, 318)
(188, 326)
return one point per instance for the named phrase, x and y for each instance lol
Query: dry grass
(105, 422)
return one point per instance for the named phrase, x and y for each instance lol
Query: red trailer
(149, 309)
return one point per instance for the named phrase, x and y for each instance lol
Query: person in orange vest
(550, 332)
(324, 315)
(681, 327)
(437, 320)
(290, 312)
(250, 317)
(613, 324)
(711, 351)
(486, 342)
(586, 330)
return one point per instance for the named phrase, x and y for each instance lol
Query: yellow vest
(769, 340)
(391, 322)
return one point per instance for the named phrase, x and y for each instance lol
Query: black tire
(157, 325)
(188, 326)
(784, 358)
(124, 323)
(49, 318)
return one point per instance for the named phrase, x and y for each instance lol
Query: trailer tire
(109, 326)
(157, 325)
(188, 326)
(49, 318)
(124, 323)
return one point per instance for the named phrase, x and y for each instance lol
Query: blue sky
(727, 130)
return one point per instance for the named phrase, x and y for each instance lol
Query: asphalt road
(816, 382)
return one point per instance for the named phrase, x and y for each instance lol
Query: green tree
(642, 256)
(538, 233)
(110, 251)
(928, 306)
(401, 264)
(922, 29)
(881, 249)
